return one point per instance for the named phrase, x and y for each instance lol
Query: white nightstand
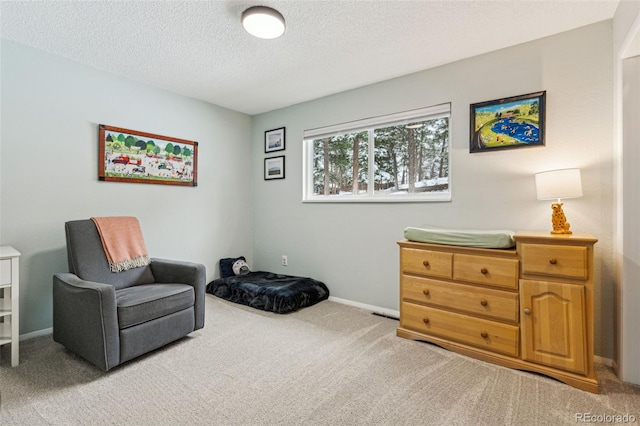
(9, 300)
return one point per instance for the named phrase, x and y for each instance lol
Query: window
(398, 157)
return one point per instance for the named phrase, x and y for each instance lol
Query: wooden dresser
(530, 308)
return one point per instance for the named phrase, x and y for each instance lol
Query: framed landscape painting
(274, 140)
(514, 122)
(131, 156)
(274, 168)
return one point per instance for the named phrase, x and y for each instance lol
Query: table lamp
(556, 185)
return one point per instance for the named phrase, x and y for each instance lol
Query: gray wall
(351, 247)
(51, 108)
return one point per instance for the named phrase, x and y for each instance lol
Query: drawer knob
(484, 334)
(426, 292)
(426, 263)
(484, 302)
(553, 261)
(527, 311)
(425, 320)
(484, 271)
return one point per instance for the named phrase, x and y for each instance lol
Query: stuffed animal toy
(240, 267)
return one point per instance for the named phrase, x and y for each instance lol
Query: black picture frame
(274, 140)
(508, 123)
(274, 168)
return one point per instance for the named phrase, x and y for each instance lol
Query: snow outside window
(393, 158)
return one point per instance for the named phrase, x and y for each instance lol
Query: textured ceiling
(199, 49)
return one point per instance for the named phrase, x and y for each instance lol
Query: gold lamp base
(559, 220)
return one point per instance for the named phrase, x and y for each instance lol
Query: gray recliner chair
(109, 318)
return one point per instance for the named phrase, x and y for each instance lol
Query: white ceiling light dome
(263, 22)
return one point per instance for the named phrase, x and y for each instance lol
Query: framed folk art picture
(514, 122)
(126, 155)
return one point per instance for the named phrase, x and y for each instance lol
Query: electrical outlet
(285, 260)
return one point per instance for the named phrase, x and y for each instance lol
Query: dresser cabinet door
(553, 324)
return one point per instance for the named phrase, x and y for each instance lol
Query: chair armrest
(85, 319)
(194, 274)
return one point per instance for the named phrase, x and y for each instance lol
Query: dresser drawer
(5, 271)
(491, 271)
(498, 304)
(552, 260)
(485, 334)
(426, 262)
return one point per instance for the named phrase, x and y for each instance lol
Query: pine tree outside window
(393, 158)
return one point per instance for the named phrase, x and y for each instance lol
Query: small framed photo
(274, 140)
(274, 168)
(513, 122)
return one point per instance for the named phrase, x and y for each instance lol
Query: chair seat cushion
(142, 303)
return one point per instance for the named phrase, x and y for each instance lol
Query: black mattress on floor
(270, 292)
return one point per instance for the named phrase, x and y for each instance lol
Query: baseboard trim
(616, 367)
(37, 333)
(374, 309)
(602, 360)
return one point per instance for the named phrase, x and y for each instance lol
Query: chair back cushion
(88, 261)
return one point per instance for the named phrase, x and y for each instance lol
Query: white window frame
(406, 117)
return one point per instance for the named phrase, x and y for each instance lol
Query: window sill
(432, 198)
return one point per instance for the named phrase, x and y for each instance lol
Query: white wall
(630, 295)
(351, 247)
(626, 48)
(51, 108)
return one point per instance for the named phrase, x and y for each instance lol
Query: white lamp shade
(558, 184)
(263, 22)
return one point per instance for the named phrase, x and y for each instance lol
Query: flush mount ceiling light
(263, 22)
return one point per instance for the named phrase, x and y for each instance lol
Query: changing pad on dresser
(500, 239)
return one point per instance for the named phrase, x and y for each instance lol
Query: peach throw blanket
(122, 242)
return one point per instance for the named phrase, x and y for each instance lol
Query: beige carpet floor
(329, 364)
